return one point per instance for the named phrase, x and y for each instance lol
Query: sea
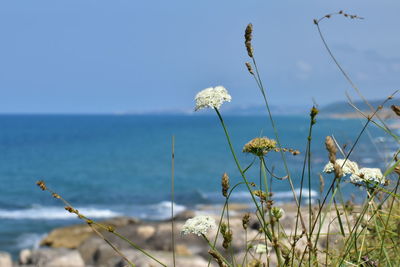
(120, 165)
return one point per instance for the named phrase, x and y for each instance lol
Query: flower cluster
(357, 176)
(198, 225)
(259, 146)
(368, 175)
(212, 98)
(349, 167)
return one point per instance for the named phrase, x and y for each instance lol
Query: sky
(98, 56)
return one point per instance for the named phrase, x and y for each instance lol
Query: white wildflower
(262, 248)
(350, 167)
(212, 98)
(368, 175)
(198, 225)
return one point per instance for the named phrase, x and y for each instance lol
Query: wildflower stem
(261, 87)
(242, 173)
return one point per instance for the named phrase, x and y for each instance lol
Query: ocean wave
(279, 195)
(158, 211)
(29, 240)
(55, 213)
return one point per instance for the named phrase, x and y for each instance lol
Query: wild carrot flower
(212, 97)
(259, 146)
(198, 225)
(349, 167)
(368, 175)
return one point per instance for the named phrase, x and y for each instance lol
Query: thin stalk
(241, 172)
(173, 198)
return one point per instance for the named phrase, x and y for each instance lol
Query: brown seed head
(331, 147)
(396, 109)
(338, 170)
(260, 194)
(249, 68)
(225, 184)
(249, 49)
(248, 33)
(55, 195)
(259, 146)
(321, 183)
(296, 152)
(246, 220)
(42, 185)
(217, 257)
(313, 113)
(70, 209)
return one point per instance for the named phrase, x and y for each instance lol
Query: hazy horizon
(100, 57)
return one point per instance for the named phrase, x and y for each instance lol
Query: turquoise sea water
(121, 165)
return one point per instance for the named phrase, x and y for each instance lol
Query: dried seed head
(246, 220)
(55, 195)
(338, 170)
(218, 258)
(249, 49)
(321, 183)
(70, 209)
(260, 194)
(296, 152)
(225, 184)
(259, 146)
(249, 68)
(331, 147)
(396, 109)
(227, 239)
(315, 21)
(248, 33)
(313, 113)
(42, 185)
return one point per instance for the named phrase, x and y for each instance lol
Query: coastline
(77, 245)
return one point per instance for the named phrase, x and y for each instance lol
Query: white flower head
(212, 97)
(368, 175)
(350, 167)
(198, 225)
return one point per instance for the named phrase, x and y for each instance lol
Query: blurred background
(91, 93)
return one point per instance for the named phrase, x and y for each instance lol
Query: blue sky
(96, 56)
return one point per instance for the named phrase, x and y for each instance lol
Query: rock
(60, 257)
(67, 237)
(185, 215)
(24, 256)
(5, 259)
(145, 231)
(73, 236)
(142, 260)
(88, 249)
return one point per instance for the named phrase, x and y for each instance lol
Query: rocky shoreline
(78, 246)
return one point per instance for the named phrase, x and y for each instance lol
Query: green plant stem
(242, 173)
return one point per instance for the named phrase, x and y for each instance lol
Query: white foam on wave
(161, 210)
(280, 195)
(55, 213)
(29, 240)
